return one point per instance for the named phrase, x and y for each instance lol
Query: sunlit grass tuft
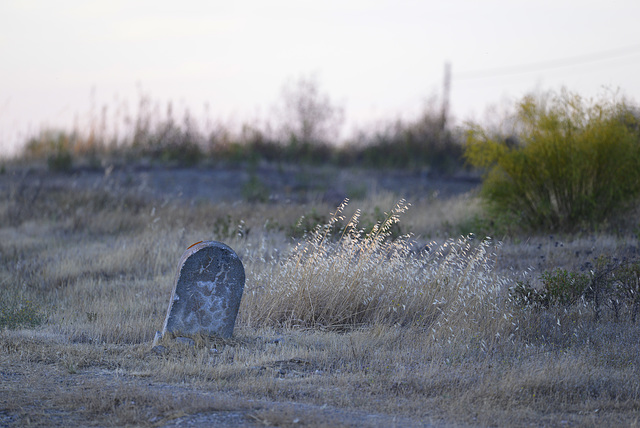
(368, 279)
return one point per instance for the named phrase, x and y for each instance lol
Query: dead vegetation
(97, 266)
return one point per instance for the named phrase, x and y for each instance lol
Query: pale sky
(378, 59)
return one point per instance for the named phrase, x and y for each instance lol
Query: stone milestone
(207, 292)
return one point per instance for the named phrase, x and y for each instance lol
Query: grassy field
(339, 327)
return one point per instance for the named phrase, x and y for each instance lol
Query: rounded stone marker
(207, 291)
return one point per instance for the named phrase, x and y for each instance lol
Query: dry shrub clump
(339, 279)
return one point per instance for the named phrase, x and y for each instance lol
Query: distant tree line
(307, 130)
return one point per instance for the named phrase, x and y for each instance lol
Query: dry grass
(71, 385)
(428, 337)
(367, 279)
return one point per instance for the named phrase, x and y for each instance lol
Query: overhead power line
(549, 65)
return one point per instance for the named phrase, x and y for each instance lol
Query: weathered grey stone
(207, 292)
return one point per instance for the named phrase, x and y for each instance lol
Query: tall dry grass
(341, 279)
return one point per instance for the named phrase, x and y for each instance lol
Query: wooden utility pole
(446, 89)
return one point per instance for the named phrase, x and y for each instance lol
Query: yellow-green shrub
(569, 162)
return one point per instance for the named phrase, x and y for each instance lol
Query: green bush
(564, 288)
(615, 284)
(610, 283)
(524, 294)
(629, 287)
(310, 222)
(56, 146)
(569, 163)
(419, 144)
(225, 227)
(560, 288)
(19, 312)
(167, 141)
(60, 161)
(254, 190)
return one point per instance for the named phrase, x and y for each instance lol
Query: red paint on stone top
(193, 245)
